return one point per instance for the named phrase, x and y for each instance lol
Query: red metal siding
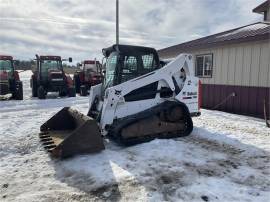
(248, 100)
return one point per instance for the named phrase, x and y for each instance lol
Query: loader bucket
(69, 133)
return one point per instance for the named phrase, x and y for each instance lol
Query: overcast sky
(81, 28)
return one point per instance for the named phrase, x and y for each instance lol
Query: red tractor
(89, 75)
(9, 78)
(50, 77)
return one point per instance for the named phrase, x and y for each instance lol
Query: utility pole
(117, 21)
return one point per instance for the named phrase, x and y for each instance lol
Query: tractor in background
(49, 76)
(89, 75)
(10, 84)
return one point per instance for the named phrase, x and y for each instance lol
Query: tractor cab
(9, 78)
(125, 62)
(6, 68)
(50, 68)
(90, 74)
(91, 65)
(92, 71)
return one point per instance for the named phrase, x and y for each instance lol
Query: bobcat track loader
(138, 101)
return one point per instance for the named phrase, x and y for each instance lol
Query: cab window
(130, 68)
(47, 65)
(148, 61)
(6, 65)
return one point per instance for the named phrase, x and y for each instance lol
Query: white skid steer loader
(138, 101)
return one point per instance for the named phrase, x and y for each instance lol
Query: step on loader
(138, 101)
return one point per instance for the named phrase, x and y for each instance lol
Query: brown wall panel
(204, 96)
(252, 102)
(212, 95)
(209, 97)
(229, 103)
(260, 101)
(267, 99)
(208, 90)
(248, 100)
(217, 95)
(244, 100)
(237, 100)
(222, 97)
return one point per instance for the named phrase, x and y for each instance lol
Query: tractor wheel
(34, 87)
(83, 91)
(41, 92)
(18, 94)
(71, 92)
(77, 83)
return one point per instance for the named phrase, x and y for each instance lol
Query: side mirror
(69, 59)
(16, 62)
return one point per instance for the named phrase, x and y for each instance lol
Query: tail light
(199, 95)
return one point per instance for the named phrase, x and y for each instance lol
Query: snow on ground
(226, 158)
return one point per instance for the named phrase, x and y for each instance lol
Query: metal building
(234, 66)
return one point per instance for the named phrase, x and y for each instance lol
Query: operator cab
(92, 69)
(91, 66)
(48, 64)
(6, 68)
(125, 62)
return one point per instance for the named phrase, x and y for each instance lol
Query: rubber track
(119, 124)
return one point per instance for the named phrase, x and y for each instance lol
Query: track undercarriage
(167, 120)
